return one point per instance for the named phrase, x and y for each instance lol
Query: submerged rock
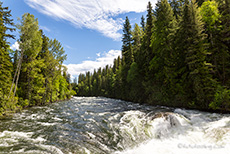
(168, 116)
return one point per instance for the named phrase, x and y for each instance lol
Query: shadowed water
(102, 125)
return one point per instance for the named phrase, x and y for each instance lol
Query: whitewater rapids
(88, 125)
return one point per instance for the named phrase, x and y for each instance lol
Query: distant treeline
(179, 56)
(33, 75)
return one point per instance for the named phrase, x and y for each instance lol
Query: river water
(102, 126)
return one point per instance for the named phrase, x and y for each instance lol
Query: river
(85, 125)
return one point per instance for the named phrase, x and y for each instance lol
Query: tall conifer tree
(127, 55)
(31, 45)
(162, 64)
(5, 61)
(195, 70)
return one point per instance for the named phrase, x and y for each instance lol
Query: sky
(89, 30)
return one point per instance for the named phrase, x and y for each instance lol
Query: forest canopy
(179, 56)
(34, 74)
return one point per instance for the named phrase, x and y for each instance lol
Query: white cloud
(15, 46)
(99, 15)
(45, 28)
(89, 65)
(98, 54)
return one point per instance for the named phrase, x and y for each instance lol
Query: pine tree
(143, 23)
(219, 26)
(5, 61)
(149, 30)
(127, 51)
(47, 69)
(136, 37)
(194, 70)
(225, 40)
(145, 55)
(127, 55)
(218, 56)
(162, 64)
(118, 80)
(177, 6)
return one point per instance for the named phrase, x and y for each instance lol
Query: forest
(34, 74)
(178, 56)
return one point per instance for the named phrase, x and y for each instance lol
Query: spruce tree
(194, 70)
(177, 6)
(47, 69)
(136, 37)
(143, 23)
(127, 56)
(145, 55)
(225, 40)
(118, 79)
(218, 55)
(127, 51)
(148, 34)
(5, 60)
(162, 65)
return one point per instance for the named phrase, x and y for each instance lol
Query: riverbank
(19, 109)
(185, 106)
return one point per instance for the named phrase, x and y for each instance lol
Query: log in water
(101, 125)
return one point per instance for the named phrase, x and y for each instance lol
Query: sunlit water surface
(101, 125)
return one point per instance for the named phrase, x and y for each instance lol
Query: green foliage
(210, 13)
(162, 64)
(221, 99)
(180, 58)
(38, 65)
(133, 72)
(7, 101)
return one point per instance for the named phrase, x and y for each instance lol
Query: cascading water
(102, 125)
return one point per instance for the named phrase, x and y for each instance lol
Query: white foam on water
(176, 146)
(51, 148)
(175, 134)
(9, 138)
(16, 134)
(91, 135)
(57, 119)
(103, 113)
(46, 123)
(87, 151)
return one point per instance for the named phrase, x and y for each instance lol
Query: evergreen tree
(143, 23)
(145, 55)
(162, 65)
(189, 52)
(127, 51)
(47, 69)
(127, 55)
(177, 6)
(220, 42)
(118, 79)
(225, 40)
(7, 101)
(195, 70)
(30, 44)
(136, 37)
(57, 55)
(149, 30)
(218, 57)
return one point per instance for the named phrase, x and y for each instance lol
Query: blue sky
(90, 30)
